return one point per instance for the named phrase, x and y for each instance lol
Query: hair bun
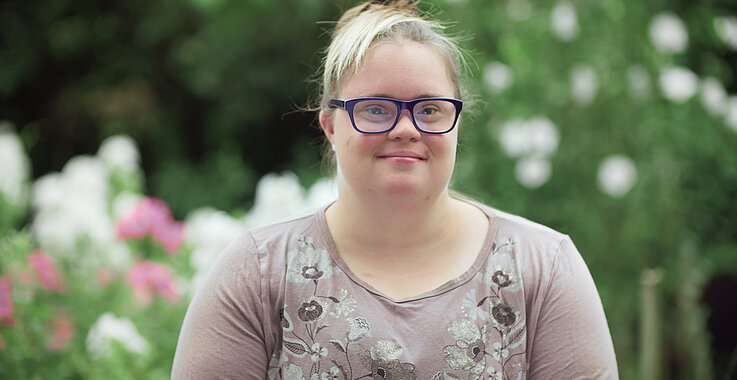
(402, 5)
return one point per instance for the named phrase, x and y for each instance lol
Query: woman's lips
(402, 157)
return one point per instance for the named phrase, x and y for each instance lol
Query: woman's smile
(402, 157)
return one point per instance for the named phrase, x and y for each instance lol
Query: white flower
(535, 137)
(726, 28)
(88, 175)
(107, 328)
(120, 152)
(730, 118)
(213, 228)
(124, 203)
(513, 138)
(322, 192)
(668, 33)
(498, 76)
(713, 96)
(209, 231)
(584, 84)
(72, 207)
(533, 172)
(563, 21)
(277, 197)
(638, 82)
(678, 84)
(14, 166)
(617, 175)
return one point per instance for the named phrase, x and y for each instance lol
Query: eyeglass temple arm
(336, 103)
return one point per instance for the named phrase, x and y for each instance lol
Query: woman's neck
(392, 223)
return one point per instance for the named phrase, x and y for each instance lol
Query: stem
(350, 368)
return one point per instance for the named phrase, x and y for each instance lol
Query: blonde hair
(373, 22)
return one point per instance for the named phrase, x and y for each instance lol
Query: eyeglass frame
(402, 105)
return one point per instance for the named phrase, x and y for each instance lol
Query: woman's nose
(405, 128)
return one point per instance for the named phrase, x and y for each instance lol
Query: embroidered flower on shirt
(345, 305)
(304, 241)
(358, 328)
(471, 308)
(501, 271)
(469, 352)
(500, 278)
(311, 309)
(332, 375)
(292, 372)
(499, 352)
(318, 351)
(307, 264)
(503, 316)
(383, 362)
(492, 374)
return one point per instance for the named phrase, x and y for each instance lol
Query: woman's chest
(333, 327)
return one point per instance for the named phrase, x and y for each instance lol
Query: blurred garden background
(140, 137)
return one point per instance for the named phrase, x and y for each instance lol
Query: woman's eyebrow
(421, 96)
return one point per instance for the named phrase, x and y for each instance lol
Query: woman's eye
(376, 110)
(428, 111)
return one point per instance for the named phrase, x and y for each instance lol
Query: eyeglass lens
(380, 115)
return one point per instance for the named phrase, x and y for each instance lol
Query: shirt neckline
(449, 285)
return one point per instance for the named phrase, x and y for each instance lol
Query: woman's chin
(408, 186)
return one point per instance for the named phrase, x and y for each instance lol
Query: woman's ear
(326, 122)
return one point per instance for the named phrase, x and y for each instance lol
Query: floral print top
(281, 304)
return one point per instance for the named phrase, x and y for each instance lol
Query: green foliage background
(211, 90)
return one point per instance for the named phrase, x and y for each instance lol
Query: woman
(397, 279)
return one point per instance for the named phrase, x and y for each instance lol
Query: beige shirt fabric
(281, 304)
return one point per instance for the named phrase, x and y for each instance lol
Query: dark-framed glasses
(379, 115)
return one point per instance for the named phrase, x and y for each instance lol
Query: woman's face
(402, 161)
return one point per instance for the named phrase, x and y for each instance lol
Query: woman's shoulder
(285, 230)
(508, 225)
(260, 250)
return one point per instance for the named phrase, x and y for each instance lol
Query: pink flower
(46, 271)
(152, 217)
(149, 278)
(6, 304)
(63, 333)
(170, 235)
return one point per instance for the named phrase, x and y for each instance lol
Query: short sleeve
(572, 339)
(223, 335)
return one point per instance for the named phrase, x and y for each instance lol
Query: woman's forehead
(399, 69)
